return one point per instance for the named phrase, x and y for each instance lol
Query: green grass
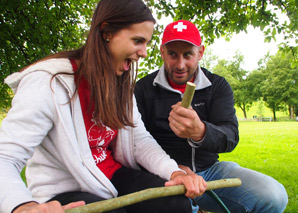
(270, 148)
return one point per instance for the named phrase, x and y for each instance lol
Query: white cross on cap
(180, 27)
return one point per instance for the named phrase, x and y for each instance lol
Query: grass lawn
(270, 148)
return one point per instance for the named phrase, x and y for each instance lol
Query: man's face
(181, 60)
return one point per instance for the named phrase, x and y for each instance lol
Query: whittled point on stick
(152, 193)
(188, 94)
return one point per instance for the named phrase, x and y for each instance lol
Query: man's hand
(53, 206)
(195, 185)
(186, 123)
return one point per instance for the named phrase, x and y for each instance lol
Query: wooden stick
(188, 94)
(147, 194)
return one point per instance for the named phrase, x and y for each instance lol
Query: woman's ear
(103, 25)
(106, 36)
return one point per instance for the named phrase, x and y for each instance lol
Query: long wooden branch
(147, 194)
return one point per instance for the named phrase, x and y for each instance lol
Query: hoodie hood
(51, 66)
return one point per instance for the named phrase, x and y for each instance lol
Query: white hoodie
(48, 130)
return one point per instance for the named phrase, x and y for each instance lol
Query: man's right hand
(186, 123)
(53, 206)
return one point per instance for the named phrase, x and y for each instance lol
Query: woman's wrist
(24, 205)
(177, 173)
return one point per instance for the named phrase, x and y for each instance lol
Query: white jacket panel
(48, 130)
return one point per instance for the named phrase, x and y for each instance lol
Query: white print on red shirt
(99, 139)
(102, 155)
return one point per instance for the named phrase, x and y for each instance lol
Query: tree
(32, 29)
(260, 108)
(236, 76)
(253, 84)
(208, 61)
(280, 86)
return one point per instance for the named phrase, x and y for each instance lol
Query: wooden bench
(266, 119)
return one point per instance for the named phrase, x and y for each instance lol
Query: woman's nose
(143, 51)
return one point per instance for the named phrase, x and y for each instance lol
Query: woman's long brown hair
(111, 95)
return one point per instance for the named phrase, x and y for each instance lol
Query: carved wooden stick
(147, 194)
(188, 94)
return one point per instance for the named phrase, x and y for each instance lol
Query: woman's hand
(53, 206)
(195, 185)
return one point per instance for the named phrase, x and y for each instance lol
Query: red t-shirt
(98, 138)
(181, 88)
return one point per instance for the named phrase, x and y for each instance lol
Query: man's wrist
(195, 144)
(201, 134)
(196, 141)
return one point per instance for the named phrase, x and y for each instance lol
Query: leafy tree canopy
(275, 82)
(223, 18)
(280, 86)
(32, 29)
(237, 78)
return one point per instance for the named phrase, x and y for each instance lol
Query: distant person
(195, 136)
(73, 118)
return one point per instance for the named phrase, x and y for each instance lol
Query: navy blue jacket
(214, 104)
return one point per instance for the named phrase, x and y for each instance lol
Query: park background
(31, 30)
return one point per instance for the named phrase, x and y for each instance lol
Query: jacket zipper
(193, 155)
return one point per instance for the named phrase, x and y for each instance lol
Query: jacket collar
(201, 80)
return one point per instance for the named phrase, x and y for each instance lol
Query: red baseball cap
(181, 31)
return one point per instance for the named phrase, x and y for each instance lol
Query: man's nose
(181, 63)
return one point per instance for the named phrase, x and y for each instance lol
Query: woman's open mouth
(127, 64)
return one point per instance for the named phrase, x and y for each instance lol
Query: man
(195, 136)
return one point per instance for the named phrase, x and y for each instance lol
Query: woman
(74, 119)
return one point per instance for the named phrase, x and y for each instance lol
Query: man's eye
(187, 54)
(137, 41)
(172, 54)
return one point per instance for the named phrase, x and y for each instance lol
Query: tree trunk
(242, 107)
(291, 111)
(244, 111)
(274, 115)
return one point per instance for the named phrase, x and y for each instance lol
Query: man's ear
(201, 51)
(162, 49)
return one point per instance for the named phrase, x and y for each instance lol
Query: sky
(251, 45)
